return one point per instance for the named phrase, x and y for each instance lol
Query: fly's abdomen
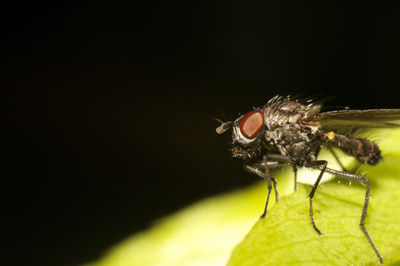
(364, 150)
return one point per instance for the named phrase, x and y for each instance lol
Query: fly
(287, 132)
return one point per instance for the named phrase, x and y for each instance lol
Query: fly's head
(247, 134)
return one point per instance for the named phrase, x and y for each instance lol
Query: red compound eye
(251, 123)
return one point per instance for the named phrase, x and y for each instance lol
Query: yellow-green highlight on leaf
(207, 232)
(202, 234)
(309, 175)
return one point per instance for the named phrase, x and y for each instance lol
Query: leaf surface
(207, 232)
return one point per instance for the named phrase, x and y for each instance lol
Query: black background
(106, 107)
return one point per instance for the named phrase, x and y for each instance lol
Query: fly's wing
(372, 114)
(351, 121)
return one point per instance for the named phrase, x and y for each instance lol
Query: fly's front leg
(321, 164)
(276, 191)
(284, 159)
(262, 169)
(268, 178)
(266, 175)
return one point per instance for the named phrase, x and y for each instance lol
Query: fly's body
(288, 132)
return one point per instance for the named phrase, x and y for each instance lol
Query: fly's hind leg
(364, 180)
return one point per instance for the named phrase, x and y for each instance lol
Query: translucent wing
(371, 114)
(353, 120)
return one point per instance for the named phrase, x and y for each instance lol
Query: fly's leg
(263, 174)
(321, 164)
(276, 191)
(278, 158)
(364, 180)
(268, 178)
(336, 157)
(268, 175)
(271, 182)
(284, 159)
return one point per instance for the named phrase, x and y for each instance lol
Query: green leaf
(286, 236)
(207, 232)
(202, 234)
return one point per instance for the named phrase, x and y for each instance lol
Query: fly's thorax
(297, 141)
(289, 134)
(281, 111)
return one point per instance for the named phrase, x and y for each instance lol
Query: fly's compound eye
(251, 123)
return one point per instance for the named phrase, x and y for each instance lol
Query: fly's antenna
(223, 127)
